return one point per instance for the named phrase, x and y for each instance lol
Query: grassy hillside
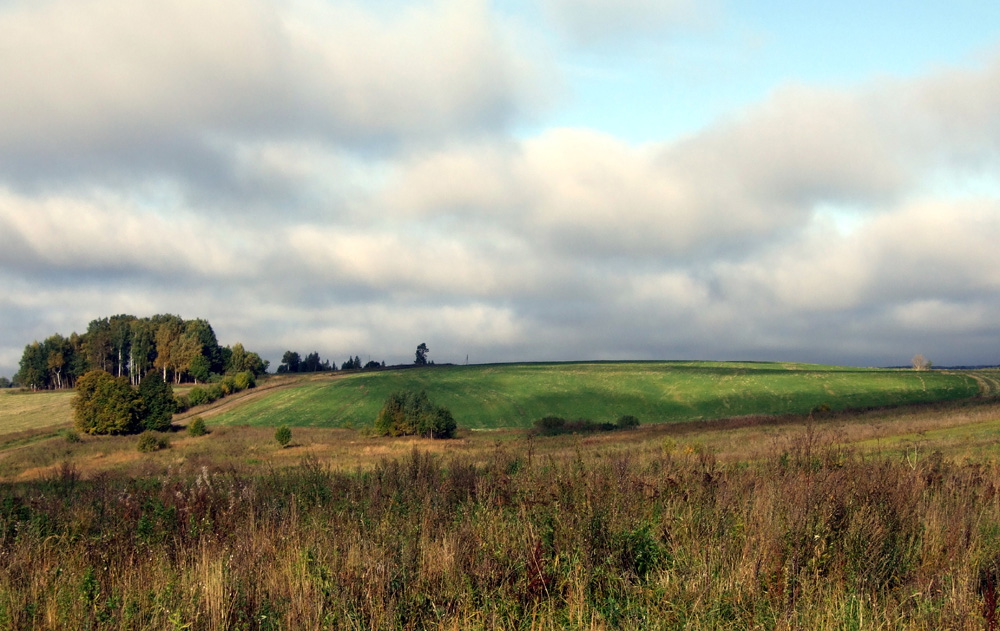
(513, 395)
(23, 411)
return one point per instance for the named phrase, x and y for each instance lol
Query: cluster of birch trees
(128, 346)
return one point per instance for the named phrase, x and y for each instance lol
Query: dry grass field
(21, 411)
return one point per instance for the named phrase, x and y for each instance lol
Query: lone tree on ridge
(422, 351)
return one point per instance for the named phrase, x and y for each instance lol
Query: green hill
(514, 395)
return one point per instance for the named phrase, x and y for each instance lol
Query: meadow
(514, 395)
(884, 519)
(880, 518)
(31, 410)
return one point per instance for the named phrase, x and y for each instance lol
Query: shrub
(550, 425)
(197, 427)
(215, 392)
(106, 405)
(409, 413)
(182, 404)
(71, 436)
(554, 425)
(283, 435)
(151, 441)
(158, 399)
(628, 422)
(197, 396)
(244, 380)
(227, 386)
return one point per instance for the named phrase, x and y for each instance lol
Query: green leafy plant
(283, 435)
(197, 427)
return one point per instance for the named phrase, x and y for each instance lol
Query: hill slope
(514, 395)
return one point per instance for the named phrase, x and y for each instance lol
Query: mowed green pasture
(514, 395)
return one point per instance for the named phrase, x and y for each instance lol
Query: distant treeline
(128, 346)
(292, 362)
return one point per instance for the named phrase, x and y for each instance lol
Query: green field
(514, 395)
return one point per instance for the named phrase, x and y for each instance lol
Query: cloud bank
(318, 176)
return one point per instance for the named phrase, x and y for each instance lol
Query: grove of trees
(128, 347)
(293, 362)
(105, 404)
(412, 413)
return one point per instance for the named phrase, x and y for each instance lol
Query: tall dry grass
(812, 536)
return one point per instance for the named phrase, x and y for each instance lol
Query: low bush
(151, 441)
(628, 422)
(215, 392)
(555, 425)
(197, 396)
(283, 435)
(244, 381)
(550, 425)
(197, 427)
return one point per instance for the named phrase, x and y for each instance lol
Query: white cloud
(131, 85)
(75, 234)
(355, 191)
(594, 22)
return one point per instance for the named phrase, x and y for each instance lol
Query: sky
(508, 181)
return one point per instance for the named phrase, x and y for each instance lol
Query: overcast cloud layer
(357, 178)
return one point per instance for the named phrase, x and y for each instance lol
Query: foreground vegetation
(884, 520)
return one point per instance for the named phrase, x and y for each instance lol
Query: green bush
(628, 422)
(244, 380)
(71, 436)
(106, 405)
(409, 413)
(283, 435)
(197, 427)
(151, 441)
(215, 392)
(555, 425)
(550, 425)
(158, 399)
(197, 396)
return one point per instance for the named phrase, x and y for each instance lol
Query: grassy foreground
(514, 395)
(884, 520)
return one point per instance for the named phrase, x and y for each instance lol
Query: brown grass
(958, 429)
(886, 519)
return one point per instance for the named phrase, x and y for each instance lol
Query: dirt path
(988, 381)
